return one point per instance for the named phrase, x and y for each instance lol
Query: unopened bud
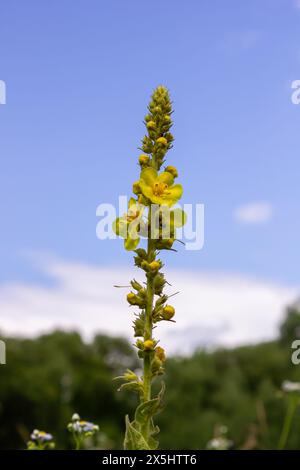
(168, 312)
(136, 188)
(144, 159)
(151, 125)
(148, 345)
(173, 170)
(154, 266)
(131, 298)
(162, 141)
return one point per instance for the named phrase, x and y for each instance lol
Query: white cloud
(297, 3)
(254, 213)
(210, 309)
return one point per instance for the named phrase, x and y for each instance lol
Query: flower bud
(148, 345)
(131, 298)
(145, 265)
(129, 375)
(136, 188)
(168, 312)
(154, 266)
(162, 141)
(159, 283)
(136, 285)
(144, 159)
(169, 137)
(139, 344)
(167, 118)
(173, 170)
(151, 125)
(165, 243)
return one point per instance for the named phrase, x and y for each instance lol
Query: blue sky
(79, 76)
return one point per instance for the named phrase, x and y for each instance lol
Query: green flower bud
(158, 284)
(140, 344)
(129, 375)
(136, 285)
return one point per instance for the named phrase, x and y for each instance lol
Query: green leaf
(134, 439)
(145, 411)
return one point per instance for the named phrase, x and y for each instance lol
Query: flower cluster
(81, 429)
(40, 440)
(150, 215)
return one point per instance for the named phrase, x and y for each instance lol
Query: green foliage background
(48, 378)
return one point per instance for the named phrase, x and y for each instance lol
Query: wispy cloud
(240, 41)
(254, 213)
(212, 308)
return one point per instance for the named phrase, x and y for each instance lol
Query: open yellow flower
(130, 225)
(159, 189)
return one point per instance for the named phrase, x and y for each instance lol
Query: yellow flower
(159, 188)
(130, 225)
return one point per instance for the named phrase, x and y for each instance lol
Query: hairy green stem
(147, 375)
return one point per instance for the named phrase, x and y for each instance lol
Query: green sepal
(133, 385)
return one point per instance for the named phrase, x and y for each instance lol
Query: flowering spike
(155, 194)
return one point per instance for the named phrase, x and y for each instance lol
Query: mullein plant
(150, 216)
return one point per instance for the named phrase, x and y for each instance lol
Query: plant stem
(292, 405)
(147, 376)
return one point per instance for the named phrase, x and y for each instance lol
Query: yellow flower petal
(149, 175)
(166, 178)
(146, 190)
(174, 194)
